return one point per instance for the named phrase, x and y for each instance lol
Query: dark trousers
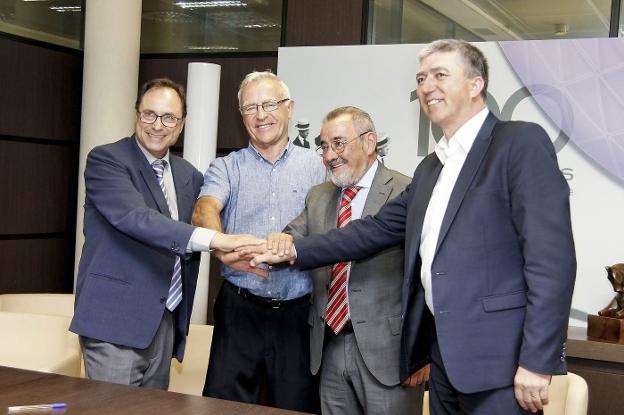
(444, 399)
(256, 341)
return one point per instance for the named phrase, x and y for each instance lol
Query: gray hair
(361, 119)
(475, 62)
(257, 76)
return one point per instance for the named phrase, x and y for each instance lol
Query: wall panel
(39, 137)
(39, 182)
(36, 265)
(41, 89)
(324, 22)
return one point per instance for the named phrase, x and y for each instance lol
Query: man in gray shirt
(261, 329)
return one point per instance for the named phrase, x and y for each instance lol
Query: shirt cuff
(200, 239)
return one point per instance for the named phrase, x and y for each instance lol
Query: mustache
(336, 161)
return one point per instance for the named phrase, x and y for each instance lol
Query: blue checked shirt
(260, 197)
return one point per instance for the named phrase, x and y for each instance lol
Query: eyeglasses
(267, 106)
(168, 120)
(337, 145)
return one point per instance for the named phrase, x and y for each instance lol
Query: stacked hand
(225, 246)
(246, 253)
(228, 243)
(278, 248)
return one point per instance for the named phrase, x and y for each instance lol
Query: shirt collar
(366, 181)
(287, 150)
(463, 138)
(149, 156)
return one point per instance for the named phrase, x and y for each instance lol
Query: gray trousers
(129, 366)
(348, 387)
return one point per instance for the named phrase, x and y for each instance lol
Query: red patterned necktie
(337, 311)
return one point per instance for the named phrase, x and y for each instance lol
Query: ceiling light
(214, 3)
(213, 48)
(261, 26)
(64, 9)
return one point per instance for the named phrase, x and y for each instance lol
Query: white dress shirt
(452, 153)
(365, 183)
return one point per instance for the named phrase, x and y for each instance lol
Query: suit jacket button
(162, 300)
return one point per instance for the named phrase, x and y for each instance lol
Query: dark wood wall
(40, 129)
(39, 139)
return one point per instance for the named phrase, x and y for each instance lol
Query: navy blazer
(130, 247)
(504, 268)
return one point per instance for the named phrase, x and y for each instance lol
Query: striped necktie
(337, 311)
(175, 289)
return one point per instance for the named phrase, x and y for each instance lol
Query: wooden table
(89, 397)
(602, 366)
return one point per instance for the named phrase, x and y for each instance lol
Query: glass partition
(185, 26)
(52, 21)
(421, 21)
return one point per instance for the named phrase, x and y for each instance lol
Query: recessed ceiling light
(213, 48)
(261, 26)
(65, 9)
(214, 3)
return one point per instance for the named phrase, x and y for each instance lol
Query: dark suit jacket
(130, 246)
(374, 283)
(504, 268)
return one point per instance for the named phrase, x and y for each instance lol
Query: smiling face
(267, 130)
(348, 167)
(156, 138)
(447, 96)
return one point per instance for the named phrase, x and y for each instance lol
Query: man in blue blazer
(489, 254)
(138, 272)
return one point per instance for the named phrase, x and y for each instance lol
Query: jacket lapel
(331, 215)
(150, 179)
(182, 180)
(421, 189)
(379, 191)
(466, 175)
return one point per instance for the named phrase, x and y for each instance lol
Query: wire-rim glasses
(337, 145)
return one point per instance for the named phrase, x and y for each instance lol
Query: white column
(109, 84)
(200, 148)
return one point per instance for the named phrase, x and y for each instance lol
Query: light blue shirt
(260, 197)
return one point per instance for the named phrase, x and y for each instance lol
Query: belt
(263, 301)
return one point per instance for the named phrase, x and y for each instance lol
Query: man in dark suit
(490, 262)
(137, 273)
(360, 367)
